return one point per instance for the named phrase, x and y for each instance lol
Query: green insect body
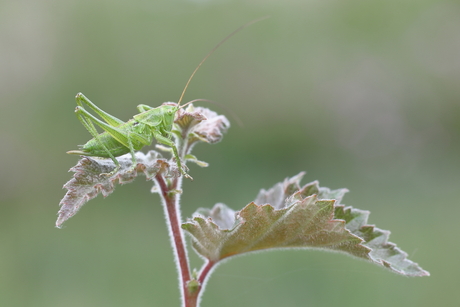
(120, 137)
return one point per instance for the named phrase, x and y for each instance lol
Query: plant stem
(205, 270)
(204, 273)
(171, 206)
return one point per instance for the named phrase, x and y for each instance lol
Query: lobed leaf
(188, 118)
(198, 124)
(89, 179)
(213, 128)
(290, 216)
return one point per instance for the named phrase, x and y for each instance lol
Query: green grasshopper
(120, 137)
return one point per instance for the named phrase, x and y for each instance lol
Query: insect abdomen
(93, 147)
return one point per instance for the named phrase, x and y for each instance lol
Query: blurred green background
(360, 94)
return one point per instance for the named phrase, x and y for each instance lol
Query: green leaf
(290, 216)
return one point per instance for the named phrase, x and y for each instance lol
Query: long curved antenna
(195, 100)
(212, 51)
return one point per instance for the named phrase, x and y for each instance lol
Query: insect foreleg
(164, 140)
(110, 119)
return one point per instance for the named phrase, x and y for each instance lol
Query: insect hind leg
(87, 121)
(109, 119)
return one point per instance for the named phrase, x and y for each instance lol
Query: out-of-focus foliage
(362, 94)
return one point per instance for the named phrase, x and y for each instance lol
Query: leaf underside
(90, 179)
(290, 216)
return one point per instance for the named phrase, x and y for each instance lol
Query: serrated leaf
(89, 179)
(382, 252)
(188, 118)
(290, 216)
(203, 124)
(213, 128)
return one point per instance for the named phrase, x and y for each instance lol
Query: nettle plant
(288, 215)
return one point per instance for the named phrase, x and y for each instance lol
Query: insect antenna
(212, 51)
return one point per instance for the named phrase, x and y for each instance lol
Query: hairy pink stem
(205, 271)
(172, 212)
